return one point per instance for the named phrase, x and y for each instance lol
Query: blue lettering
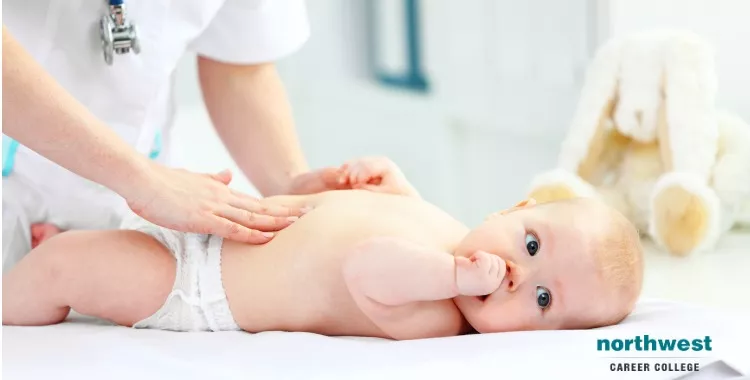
(600, 343)
(665, 345)
(647, 341)
(617, 344)
(697, 345)
(628, 342)
(683, 345)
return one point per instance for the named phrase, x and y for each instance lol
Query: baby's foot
(41, 232)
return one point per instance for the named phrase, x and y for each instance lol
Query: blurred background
(472, 99)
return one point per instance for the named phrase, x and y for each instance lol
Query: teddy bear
(648, 139)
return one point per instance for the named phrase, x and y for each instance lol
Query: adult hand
(203, 203)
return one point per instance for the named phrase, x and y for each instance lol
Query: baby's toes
(41, 232)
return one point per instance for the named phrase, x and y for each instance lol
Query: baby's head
(572, 264)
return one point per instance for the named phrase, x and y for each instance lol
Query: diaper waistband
(213, 296)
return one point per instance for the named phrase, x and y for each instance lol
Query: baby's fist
(367, 171)
(479, 274)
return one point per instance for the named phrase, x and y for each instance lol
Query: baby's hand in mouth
(479, 274)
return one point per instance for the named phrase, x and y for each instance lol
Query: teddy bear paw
(684, 214)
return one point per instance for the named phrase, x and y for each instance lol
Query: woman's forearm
(40, 114)
(251, 113)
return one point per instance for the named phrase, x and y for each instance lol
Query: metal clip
(118, 34)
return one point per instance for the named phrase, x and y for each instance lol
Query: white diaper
(197, 301)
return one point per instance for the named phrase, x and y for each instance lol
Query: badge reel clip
(118, 34)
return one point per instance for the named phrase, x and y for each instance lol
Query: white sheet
(82, 348)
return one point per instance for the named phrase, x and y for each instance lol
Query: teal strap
(9, 154)
(156, 149)
(10, 147)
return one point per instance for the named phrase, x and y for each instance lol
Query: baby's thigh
(122, 276)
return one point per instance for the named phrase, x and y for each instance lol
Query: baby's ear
(524, 203)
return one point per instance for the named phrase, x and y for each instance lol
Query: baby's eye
(532, 244)
(543, 298)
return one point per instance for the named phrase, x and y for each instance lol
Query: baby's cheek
(498, 240)
(473, 242)
(510, 313)
(525, 317)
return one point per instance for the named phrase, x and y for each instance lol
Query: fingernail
(306, 209)
(292, 218)
(268, 234)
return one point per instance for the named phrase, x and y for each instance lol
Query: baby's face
(551, 281)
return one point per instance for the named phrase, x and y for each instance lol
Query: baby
(373, 261)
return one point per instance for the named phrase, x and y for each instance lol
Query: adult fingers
(257, 221)
(317, 181)
(329, 179)
(234, 231)
(224, 176)
(246, 202)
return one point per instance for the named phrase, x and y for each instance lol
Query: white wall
(504, 77)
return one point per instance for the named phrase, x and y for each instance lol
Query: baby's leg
(120, 276)
(41, 232)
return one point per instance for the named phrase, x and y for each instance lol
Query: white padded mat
(83, 348)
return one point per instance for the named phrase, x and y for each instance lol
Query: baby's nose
(515, 274)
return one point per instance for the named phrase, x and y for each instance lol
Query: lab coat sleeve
(254, 31)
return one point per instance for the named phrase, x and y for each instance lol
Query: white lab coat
(134, 96)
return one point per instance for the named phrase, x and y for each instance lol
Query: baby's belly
(295, 282)
(269, 291)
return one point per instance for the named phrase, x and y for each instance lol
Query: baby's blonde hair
(618, 257)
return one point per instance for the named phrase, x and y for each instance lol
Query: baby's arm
(394, 272)
(120, 276)
(393, 282)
